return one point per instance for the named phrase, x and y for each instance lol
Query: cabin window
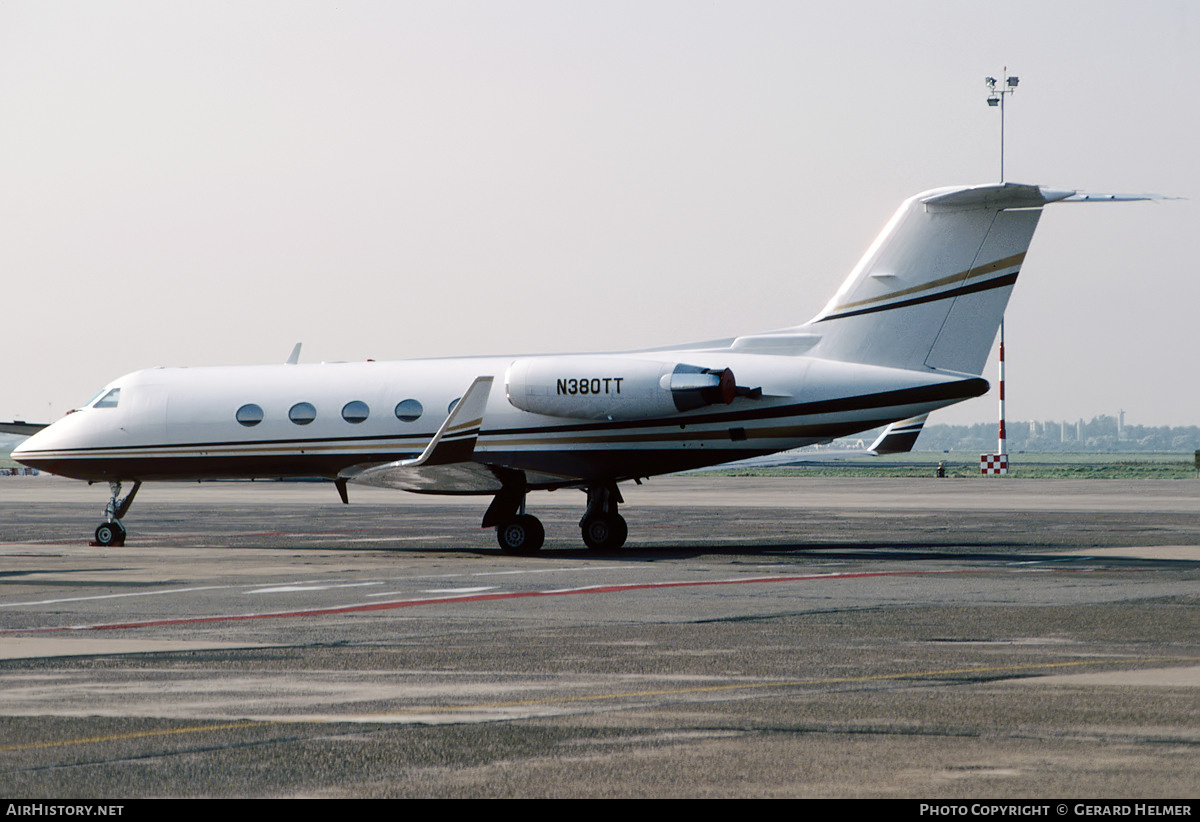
(453, 402)
(302, 413)
(249, 415)
(109, 400)
(355, 412)
(409, 410)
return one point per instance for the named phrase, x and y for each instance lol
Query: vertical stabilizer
(931, 290)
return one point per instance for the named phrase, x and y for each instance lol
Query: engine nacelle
(615, 388)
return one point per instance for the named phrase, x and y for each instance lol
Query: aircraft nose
(28, 445)
(35, 449)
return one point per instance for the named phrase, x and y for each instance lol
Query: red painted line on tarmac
(411, 603)
(598, 589)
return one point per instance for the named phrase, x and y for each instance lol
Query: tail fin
(931, 290)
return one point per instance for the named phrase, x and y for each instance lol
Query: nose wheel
(111, 531)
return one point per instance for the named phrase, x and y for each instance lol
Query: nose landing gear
(111, 531)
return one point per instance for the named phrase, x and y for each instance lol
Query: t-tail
(931, 290)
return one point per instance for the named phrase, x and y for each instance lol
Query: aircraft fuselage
(320, 420)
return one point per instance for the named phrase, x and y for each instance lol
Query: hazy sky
(201, 183)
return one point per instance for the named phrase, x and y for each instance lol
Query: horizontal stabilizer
(899, 437)
(1098, 197)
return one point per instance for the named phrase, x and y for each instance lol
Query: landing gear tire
(110, 533)
(521, 535)
(604, 532)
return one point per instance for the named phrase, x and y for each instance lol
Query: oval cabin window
(409, 410)
(302, 413)
(250, 415)
(355, 412)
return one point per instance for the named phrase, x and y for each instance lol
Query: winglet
(455, 440)
(294, 358)
(899, 437)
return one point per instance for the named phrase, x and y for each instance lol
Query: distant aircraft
(908, 332)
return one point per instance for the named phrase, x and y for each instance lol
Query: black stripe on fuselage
(938, 392)
(576, 462)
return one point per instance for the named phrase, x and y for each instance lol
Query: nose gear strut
(111, 531)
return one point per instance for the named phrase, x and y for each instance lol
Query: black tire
(522, 535)
(110, 533)
(604, 532)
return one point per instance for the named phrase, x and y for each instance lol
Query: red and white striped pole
(1001, 449)
(998, 463)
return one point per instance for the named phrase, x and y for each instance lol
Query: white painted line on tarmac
(279, 589)
(458, 590)
(116, 596)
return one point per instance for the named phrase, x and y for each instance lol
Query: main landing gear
(516, 531)
(523, 534)
(602, 528)
(111, 531)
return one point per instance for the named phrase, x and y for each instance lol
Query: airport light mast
(997, 92)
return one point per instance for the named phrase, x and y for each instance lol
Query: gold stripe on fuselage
(549, 441)
(962, 276)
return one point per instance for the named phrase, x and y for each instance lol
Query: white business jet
(908, 332)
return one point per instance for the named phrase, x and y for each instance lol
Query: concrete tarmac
(770, 637)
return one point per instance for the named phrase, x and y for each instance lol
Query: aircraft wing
(445, 465)
(455, 440)
(25, 429)
(457, 478)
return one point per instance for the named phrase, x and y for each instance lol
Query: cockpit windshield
(108, 399)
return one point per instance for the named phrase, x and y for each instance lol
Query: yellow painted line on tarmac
(485, 706)
(759, 685)
(59, 743)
